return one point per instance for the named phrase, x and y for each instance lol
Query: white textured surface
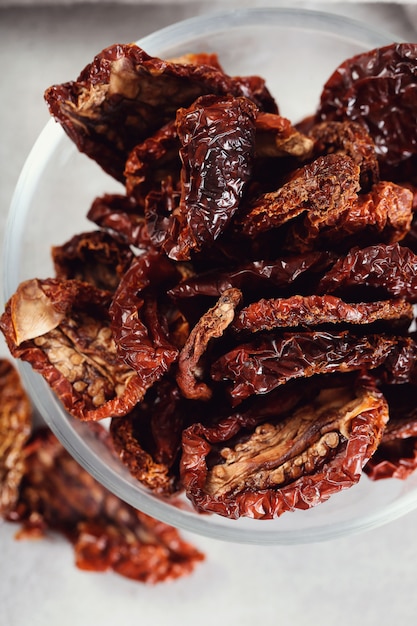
(367, 579)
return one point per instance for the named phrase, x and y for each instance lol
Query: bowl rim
(47, 141)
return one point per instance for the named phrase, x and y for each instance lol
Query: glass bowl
(296, 51)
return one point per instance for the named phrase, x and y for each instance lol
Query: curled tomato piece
(296, 462)
(148, 439)
(217, 137)
(351, 138)
(122, 216)
(326, 185)
(210, 326)
(396, 455)
(377, 89)
(62, 328)
(141, 334)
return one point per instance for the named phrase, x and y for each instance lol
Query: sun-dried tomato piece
(254, 278)
(125, 95)
(107, 534)
(94, 257)
(262, 365)
(210, 326)
(387, 268)
(322, 186)
(401, 365)
(148, 440)
(315, 310)
(295, 462)
(277, 137)
(140, 331)
(352, 139)
(377, 89)
(62, 328)
(153, 161)
(217, 137)
(121, 215)
(396, 455)
(15, 426)
(381, 216)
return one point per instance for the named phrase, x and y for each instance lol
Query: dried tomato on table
(57, 495)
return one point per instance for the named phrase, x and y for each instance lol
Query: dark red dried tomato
(212, 325)
(255, 278)
(352, 139)
(217, 137)
(152, 162)
(323, 186)
(148, 440)
(121, 215)
(378, 89)
(295, 462)
(383, 216)
(396, 455)
(388, 269)
(264, 364)
(140, 331)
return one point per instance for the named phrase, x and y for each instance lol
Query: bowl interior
(295, 51)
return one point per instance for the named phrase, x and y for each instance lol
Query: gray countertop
(367, 579)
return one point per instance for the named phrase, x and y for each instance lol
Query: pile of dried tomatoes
(244, 311)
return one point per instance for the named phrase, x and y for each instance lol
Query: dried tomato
(148, 440)
(94, 257)
(316, 310)
(388, 269)
(352, 139)
(259, 366)
(217, 137)
(62, 328)
(140, 332)
(396, 455)
(378, 89)
(295, 462)
(383, 215)
(107, 534)
(122, 216)
(211, 325)
(15, 426)
(323, 186)
(152, 162)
